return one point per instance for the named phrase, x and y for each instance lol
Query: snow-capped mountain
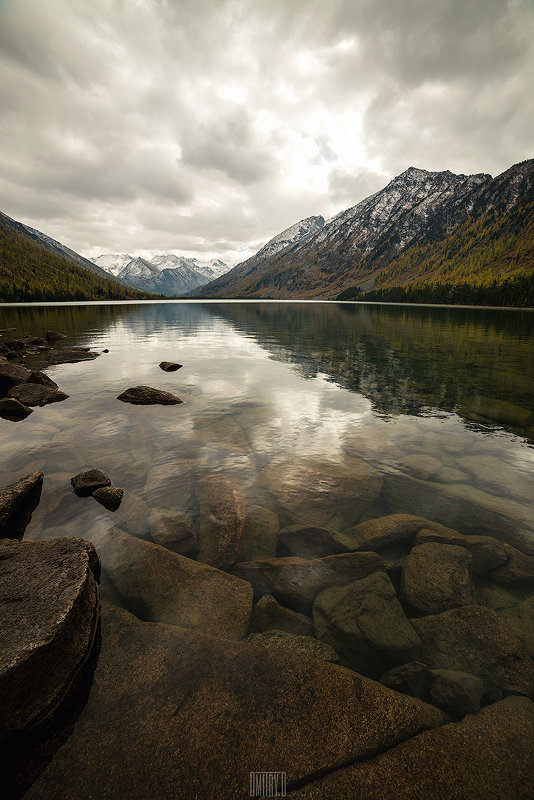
(296, 233)
(165, 273)
(363, 238)
(113, 262)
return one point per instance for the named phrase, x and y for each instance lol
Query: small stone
(301, 645)
(106, 350)
(108, 496)
(17, 503)
(169, 366)
(146, 396)
(85, 483)
(13, 409)
(409, 679)
(519, 568)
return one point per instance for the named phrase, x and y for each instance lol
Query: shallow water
(266, 382)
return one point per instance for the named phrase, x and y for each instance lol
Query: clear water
(267, 383)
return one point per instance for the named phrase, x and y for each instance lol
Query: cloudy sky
(205, 127)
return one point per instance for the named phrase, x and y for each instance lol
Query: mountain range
(426, 235)
(167, 274)
(35, 267)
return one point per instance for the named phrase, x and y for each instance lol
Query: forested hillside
(31, 272)
(489, 260)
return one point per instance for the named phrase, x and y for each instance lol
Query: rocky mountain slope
(166, 273)
(35, 267)
(350, 254)
(225, 285)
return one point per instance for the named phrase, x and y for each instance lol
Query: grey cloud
(211, 125)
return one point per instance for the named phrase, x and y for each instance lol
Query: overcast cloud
(205, 127)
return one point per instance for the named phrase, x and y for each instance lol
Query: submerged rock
(212, 710)
(71, 356)
(268, 614)
(457, 692)
(518, 569)
(476, 640)
(364, 622)
(261, 533)
(85, 483)
(519, 620)
(147, 396)
(487, 755)
(54, 336)
(391, 530)
(435, 577)
(161, 586)
(410, 678)
(108, 496)
(309, 542)
(300, 645)
(174, 531)
(295, 582)
(221, 526)
(169, 366)
(48, 614)
(17, 503)
(33, 394)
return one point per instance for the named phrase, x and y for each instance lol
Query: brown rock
(295, 582)
(42, 379)
(33, 394)
(475, 640)
(85, 483)
(48, 614)
(146, 396)
(393, 529)
(268, 614)
(169, 366)
(174, 531)
(436, 577)
(108, 496)
(54, 336)
(300, 645)
(261, 533)
(13, 409)
(17, 503)
(161, 586)
(224, 710)
(221, 526)
(487, 755)
(309, 542)
(71, 356)
(519, 568)
(11, 375)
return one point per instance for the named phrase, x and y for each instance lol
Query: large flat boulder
(176, 715)
(48, 615)
(295, 582)
(364, 622)
(389, 531)
(34, 394)
(436, 577)
(17, 503)
(475, 640)
(486, 756)
(161, 586)
(71, 356)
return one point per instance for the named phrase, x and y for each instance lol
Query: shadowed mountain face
(34, 267)
(360, 248)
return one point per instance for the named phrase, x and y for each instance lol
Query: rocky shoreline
(363, 655)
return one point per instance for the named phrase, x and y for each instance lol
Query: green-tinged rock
(364, 622)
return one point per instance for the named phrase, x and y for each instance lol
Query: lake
(320, 415)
